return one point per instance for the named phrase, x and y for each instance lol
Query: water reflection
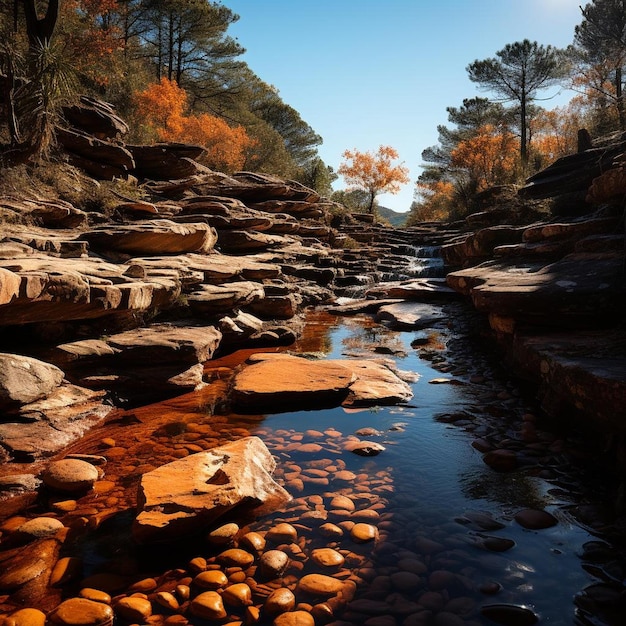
(448, 542)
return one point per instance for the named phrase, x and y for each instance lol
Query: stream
(451, 550)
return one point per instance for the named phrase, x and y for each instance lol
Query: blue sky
(365, 72)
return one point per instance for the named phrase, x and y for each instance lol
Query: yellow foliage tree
(374, 172)
(434, 201)
(490, 157)
(162, 107)
(555, 133)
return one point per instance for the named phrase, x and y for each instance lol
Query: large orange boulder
(187, 495)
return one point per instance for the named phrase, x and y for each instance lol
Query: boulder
(409, 315)
(215, 299)
(45, 426)
(9, 286)
(189, 494)
(375, 384)
(280, 382)
(95, 117)
(24, 380)
(153, 237)
(166, 161)
(160, 359)
(98, 150)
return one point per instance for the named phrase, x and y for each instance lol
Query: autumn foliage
(162, 107)
(374, 172)
(488, 157)
(93, 41)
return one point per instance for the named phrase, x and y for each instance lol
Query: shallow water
(441, 511)
(437, 477)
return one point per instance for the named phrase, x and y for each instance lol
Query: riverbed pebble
(81, 612)
(273, 563)
(208, 605)
(253, 541)
(24, 617)
(235, 557)
(327, 557)
(224, 535)
(282, 533)
(211, 580)
(71, 475)
(294, 618)
(279, 601)
(362, 533)
(135, 608)
(319, 585)
(40, 527)
(237, 595)
(535, 519)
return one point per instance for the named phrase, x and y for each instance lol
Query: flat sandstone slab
(280, 382)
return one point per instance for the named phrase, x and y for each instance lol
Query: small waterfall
(423, 262)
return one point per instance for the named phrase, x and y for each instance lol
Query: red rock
(189, 494)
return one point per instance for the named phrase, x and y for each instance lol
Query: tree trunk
(619, 95)
(523, 128)
(170, 47)
(370, 208)
(40, 30)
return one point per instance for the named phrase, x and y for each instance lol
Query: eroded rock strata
(155, 303)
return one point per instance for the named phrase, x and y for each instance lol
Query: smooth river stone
(65, 569)
(211, 580)
(342, 502)
(81, 612)
(279, 601)
(208, 605)
(40, 527)
(364, 448)
(70, 475)
(167, 600)
(236, 557)
(95, 594)
(327, 557)
(273, 563)
(282, 533)
(134, 609)
(237, 595)
(223, 535)
(294, 618)
(330, 530)
(362, 533)
(501, 460)
(535, 519)
(253, 541)
(319, 585)
(26, 617)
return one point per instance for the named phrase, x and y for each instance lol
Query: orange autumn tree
(374, 172)
(92, 39)
(162, 107)
(489, 157)
(555, 133)
(432, 202)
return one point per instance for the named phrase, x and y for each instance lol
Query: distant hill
(393, 217)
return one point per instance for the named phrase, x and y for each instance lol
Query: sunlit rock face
(187, 495)
(281, 382)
